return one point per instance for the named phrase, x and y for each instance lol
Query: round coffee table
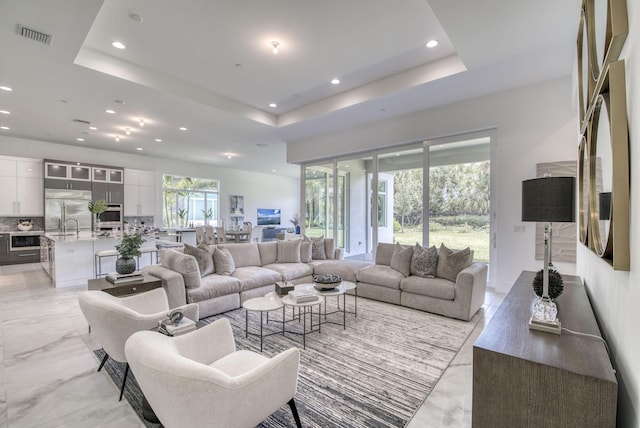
(268, 303)
(338, 291)
(288, 301)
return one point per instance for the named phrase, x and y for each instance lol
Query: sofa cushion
(317, 248)
(255, 277)
(305, 252)
(291, 271)
(329, 248)
(203, 258)
(289, 251)
(184, 264)
(383, 276)
(224, 261)
(424, 261)
(439, 288)
(245, 254)
(401, 259)
(268, 252)
(347, 269)
(384, 252)
(451, 262)
(213, 286)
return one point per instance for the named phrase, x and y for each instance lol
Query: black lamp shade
(549, 199)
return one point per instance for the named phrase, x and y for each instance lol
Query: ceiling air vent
(84, 122)
(34, 35)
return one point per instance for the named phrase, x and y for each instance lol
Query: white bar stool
(147, 250)
(97, 265)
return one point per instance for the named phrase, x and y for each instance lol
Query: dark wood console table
(527, 378)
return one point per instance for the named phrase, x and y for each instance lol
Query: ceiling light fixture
(135, 17)
(5, 127)
(273, 105)
(118, 45)
(228, 156)
(93, 128)
(127, 131)
(335, 82)
(6, 88)
(5, 112)
(158, 140)
(432, 43)
(182, 128)
(110, 111)
(80, 139)
(141, 122)
(117, 138)
(139, 149)
(274, 47)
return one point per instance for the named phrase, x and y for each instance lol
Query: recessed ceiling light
(79, 139)
(261, 145)
(274, 47)
(6, 88)
(110, 111)
(5, 112)
(141, 122)
(158, 140)
(127, 131)
(5, 127)
(118, 101)
(432, 43)
(228, 156)
(273, 105)
(335, 82)
(273, 170)
(117, 138)
(135, 17)
(93, 128)
(118, 45)
(139, 149)
(182, 128)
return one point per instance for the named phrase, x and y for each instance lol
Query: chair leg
(294, 411)
(124, 381)
(104, 360)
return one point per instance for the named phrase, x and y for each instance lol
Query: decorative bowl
(25, 227)
(327, 281)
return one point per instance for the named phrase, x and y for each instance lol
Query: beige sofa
(459, 299)
(256, 267)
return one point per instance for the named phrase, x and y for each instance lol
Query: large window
(189, 202)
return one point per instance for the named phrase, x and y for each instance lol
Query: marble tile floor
(48, 374)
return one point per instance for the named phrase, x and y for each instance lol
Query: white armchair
(199, 379)
(113, 319)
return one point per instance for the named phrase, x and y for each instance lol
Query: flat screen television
(268, 216)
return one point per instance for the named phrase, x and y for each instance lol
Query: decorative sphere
(555, 283)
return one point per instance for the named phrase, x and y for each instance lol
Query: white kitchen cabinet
(139, 193)
(22, 187)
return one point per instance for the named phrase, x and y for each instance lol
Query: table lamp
(548, 200)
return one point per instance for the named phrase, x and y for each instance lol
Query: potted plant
(128, 248)
(296, 222)
(207, 214)
(96, 208)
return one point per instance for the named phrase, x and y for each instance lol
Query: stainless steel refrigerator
(63, 204)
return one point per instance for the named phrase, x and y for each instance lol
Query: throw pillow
(305, 252)
(223, 261)
(329, 248)
(205, 262)
(289, 251)
(424, 261)
(401, 259)
(451, 262)
(317, 248)
(210, 248)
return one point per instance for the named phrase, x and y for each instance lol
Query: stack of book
(116, 278)
(303, 296)
(283, 287)
(171, 329)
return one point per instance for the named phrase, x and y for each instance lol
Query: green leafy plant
(295, 220)
(207, 214)
(182, 215)
(129, 246)
(98, 206)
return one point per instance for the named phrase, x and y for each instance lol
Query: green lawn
(477, 240)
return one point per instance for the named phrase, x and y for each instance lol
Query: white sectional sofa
(205, 276)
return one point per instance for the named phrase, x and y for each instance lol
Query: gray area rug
(374, 373)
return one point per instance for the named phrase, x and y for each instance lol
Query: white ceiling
(207, 65)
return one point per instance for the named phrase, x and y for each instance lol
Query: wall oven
(24, 241)
(112, 217)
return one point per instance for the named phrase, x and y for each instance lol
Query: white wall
(616, 295)
(259, 190)
(533, 124)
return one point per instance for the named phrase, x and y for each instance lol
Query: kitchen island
(69, 258)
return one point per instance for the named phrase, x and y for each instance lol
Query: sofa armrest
(471, 285)
(172, 282)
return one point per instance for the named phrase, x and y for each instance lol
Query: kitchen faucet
(77, 225)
